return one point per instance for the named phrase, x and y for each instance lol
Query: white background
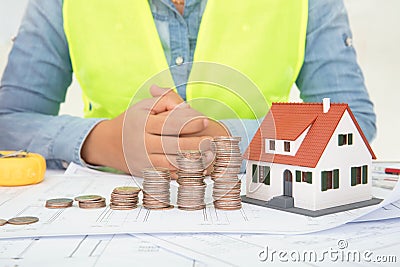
(375, 25)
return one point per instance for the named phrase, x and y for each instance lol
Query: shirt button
(179, 60)
(64, 164)
(349, 42)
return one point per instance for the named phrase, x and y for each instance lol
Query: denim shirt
(39, 72)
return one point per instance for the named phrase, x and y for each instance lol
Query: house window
(286, 146)
(261, 174)
(359, 175)
(264, 175)
(271, 144)
(307, 177)
(304, 177)
(345, 139)
(329, 180)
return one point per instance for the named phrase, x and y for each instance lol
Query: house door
(287, 183)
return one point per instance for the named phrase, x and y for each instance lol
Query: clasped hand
(150, 133)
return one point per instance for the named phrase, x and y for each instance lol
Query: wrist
(103, 146)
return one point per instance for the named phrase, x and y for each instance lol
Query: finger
(172, 144)
(145, 104)
(174, 175)
(209, 158)
(167, 99)
(175, 125)
(178, 111)
(164, 161)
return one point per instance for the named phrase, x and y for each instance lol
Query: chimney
(326, 103)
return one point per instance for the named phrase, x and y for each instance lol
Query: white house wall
(302, 192)
(259, 190)
(343, 158)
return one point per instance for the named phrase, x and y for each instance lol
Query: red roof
(287, 121)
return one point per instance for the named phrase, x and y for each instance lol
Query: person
(113, 47)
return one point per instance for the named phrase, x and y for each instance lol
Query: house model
(311, 159)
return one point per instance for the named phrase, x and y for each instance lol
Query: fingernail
(205, 144)
(208, 158)
(205, 123)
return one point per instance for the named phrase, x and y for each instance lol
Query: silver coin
(228, 160)
(156, 188)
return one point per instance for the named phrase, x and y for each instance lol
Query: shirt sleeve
(34, 84)
(330, 66)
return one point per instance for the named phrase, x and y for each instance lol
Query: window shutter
(350, 139)
(353, 176)
(341, 140)
(365, 174)
(267, 175)
(255, 173)
(335, 179)
(324, 177)
(298, 176)
(309, 177)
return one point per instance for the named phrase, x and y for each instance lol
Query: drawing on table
(311, 159)
(101, 250)
(196, 249)
(30, 201)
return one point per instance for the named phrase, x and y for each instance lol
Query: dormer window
(345, 139)
(272, 145)
(286, 146)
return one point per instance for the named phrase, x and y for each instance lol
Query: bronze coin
(23, 220)
(126, 190)
(58, 203)
(88, 198)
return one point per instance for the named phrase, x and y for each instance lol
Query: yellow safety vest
(258, 47)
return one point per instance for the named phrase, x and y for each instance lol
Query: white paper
(30, 201)
(101, 250)
(201, 249)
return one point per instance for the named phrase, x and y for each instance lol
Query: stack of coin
(91, 202)
(59, 203)
(191, 180)
(124, 198)
(156, 194)
(226, 190)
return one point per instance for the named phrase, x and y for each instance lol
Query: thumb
(157, 91)
(167, 100)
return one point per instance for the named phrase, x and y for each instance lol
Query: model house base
(312, 213)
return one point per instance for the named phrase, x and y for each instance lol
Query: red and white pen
(387, 170)
(392, 171)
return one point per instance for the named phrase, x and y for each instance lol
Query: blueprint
(30, 200)
(378, 238)
(99, 250)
